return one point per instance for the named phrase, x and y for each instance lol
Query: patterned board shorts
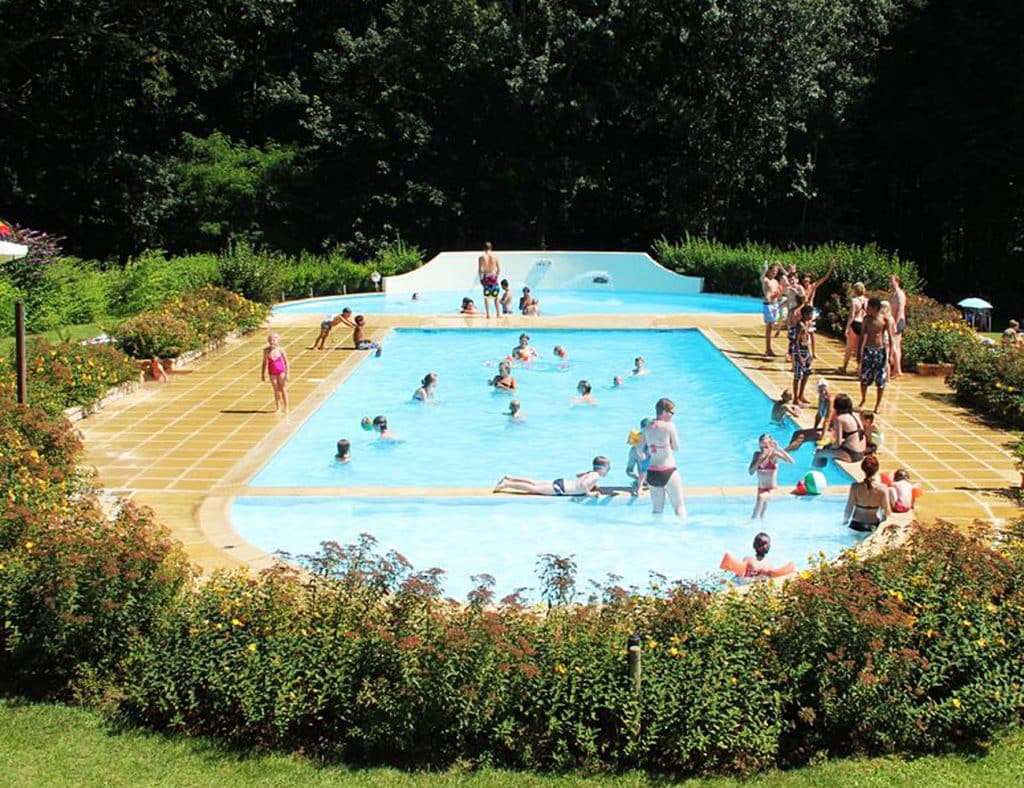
(874, 366)
(802, 362)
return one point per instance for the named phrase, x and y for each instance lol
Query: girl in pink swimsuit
(765, 464)
(275, 364)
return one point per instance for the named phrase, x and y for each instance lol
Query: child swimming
(639, 366)
(427, 386)
(783, 407)
(515, 412)
(503, 380)
(344, 450)
(584, 483)
(585, 397)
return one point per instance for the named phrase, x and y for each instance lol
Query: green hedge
(991, 380)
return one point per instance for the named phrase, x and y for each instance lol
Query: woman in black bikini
(850, 443)
(866, 498)
(661, 439)
(855, 324)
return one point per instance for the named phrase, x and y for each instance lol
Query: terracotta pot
(934, 369)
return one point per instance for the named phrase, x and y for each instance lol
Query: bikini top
(768, 465)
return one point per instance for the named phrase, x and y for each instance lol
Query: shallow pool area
(553, 303)
(466, 439)
(504, 537)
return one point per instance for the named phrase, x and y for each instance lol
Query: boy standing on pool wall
(489, 270)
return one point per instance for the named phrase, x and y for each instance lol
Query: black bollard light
(634, 661)
(19, 351)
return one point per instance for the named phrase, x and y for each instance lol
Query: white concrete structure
(457, 271)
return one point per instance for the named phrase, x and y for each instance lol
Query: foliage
(43, 250)
(251, 272)
(152, 279)
(196, 319)
(1018, 452)
(75, 589)
(991, 379)
(935, 343)
(9, 295)
(67, 292)
(361, 660)
(922, 310)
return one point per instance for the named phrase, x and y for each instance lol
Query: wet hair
(526, 290)
(764, 435)
(360, 320)
(466, 301)
(664, 404)
(858, 288)
(638, 361)
(762, 544)
(559, 351)
(600, 461)
(900, 476)
(380, 423)
(430, 377)
(874, 302)
(843, 404)
(504, 283)
(786, 395)
(347, 311)
(584, 386)
(524, 336)
(870, 466)
(344, 447)
(513, 406)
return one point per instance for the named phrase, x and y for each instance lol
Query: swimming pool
(464, 439)
(552, 303)
(618, 536)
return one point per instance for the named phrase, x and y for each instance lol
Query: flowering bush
(188, 323)
(935, 343)
(991, 379)
(363, 660)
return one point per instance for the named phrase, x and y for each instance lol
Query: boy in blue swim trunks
(583, 483)
(874, 360)
(802, 363)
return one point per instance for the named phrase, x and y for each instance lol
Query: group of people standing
(873, 333)
(496, 291)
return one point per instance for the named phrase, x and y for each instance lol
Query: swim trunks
(863, 527)
(325, 325)
(791, 336)
(490, 285)
(874, 366)
(366, 344)
(802, 362)
(659, 477)
(901, 324)
(769, 312)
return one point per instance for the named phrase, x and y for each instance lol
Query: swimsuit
(366, 344)
(659, 477)
(899, 507)
(791, 336)
(559, 485)
(490, 285)
(857, 326)
(900, 325)
(276, 366)
(769, 312)
(874, 366)
(325, 325)
(802, 362)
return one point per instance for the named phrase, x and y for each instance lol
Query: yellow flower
(982, 642)
(956, 702)
(560, 668)
(991, 608)
(674, 652)
(251, 647)
(766, 632)
(652, 644)
(235, 622)
(966, 624)
(29, 545)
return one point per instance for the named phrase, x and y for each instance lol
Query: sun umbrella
(10, 251)
(975, 303)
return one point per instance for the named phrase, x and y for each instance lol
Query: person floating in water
(489, 270)
(345, 316)
(584, 483)
(361, 343)
(380, 426)
(765, 463)
(757, 566)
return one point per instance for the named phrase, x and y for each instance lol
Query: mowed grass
(43, 745)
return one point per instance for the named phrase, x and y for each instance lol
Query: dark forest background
(305, 124)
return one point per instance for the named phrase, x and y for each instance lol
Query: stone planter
(935, 369)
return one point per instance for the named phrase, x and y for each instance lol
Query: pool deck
(188, 447)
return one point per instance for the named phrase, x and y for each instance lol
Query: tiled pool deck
(187, 448)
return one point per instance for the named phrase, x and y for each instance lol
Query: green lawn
(43, 745)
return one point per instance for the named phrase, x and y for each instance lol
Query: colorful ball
(366, 423)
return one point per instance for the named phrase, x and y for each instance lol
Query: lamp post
(13, 251)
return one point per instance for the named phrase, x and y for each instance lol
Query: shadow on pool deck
(182, 448)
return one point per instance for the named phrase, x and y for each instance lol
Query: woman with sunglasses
(663, 478)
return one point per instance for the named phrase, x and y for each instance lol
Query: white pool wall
(547, 271)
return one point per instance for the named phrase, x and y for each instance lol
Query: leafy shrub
(318, 275)
(991, 379)
(75, 589)
(67, 292)
(398, 257)
(158, 334)
(935, 343)
(921, 310)
(9, 294)
(250, 272)
(68, 373)
(738, 269)
(150, 280)
(362, 660)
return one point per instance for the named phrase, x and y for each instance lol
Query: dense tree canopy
(559, 123)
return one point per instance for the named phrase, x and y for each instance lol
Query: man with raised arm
(489, 270)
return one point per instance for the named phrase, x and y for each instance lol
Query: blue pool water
(469, 536)
(552, 303)
(463, 439)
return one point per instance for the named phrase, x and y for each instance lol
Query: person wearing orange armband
(901, 492)
(757, 565)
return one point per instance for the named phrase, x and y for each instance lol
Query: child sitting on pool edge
(359, 342)
(585, 482)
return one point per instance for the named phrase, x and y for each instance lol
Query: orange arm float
(730, 564)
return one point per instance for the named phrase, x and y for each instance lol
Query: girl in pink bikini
(765, 463)
(275, 364)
